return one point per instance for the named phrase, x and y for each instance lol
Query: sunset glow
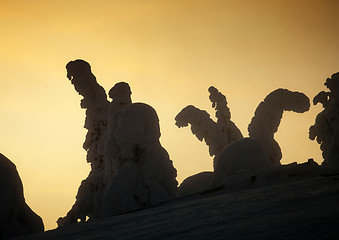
(169, 52)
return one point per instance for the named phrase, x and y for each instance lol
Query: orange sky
(169, 52)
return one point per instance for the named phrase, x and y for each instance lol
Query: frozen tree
(232, 152)
(326, 127)
(95, 102)
(218, 134)
(16, 217)
(268, 115)
(138, 171)
(96, 105)
(121, 98)
(144, 174)
(130, 168)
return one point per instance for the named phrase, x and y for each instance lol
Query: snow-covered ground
(299, 208)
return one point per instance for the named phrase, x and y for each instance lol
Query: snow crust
(297, 201)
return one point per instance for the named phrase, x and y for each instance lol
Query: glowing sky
(170, 52)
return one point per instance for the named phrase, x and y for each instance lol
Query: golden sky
(170, 52)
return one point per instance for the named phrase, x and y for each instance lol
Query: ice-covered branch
(216, 135)
(202, 126)
(219, 103)
(223, 115)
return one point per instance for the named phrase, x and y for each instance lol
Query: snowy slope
(306, 208)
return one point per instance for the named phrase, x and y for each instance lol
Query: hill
(301, 208)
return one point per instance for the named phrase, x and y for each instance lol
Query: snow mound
(16, 217)
(196, 183)
(244, 154)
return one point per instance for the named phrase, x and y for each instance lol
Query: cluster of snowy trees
(129, 167)
(233, 153)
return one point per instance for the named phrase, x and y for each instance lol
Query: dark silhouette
(232, 152)
(268, 115)
(217, 135)
(95, 102)
(130, 168)
(16, 217)
(244, 154)
(326, 127)
(143, 172)
(121, 98)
